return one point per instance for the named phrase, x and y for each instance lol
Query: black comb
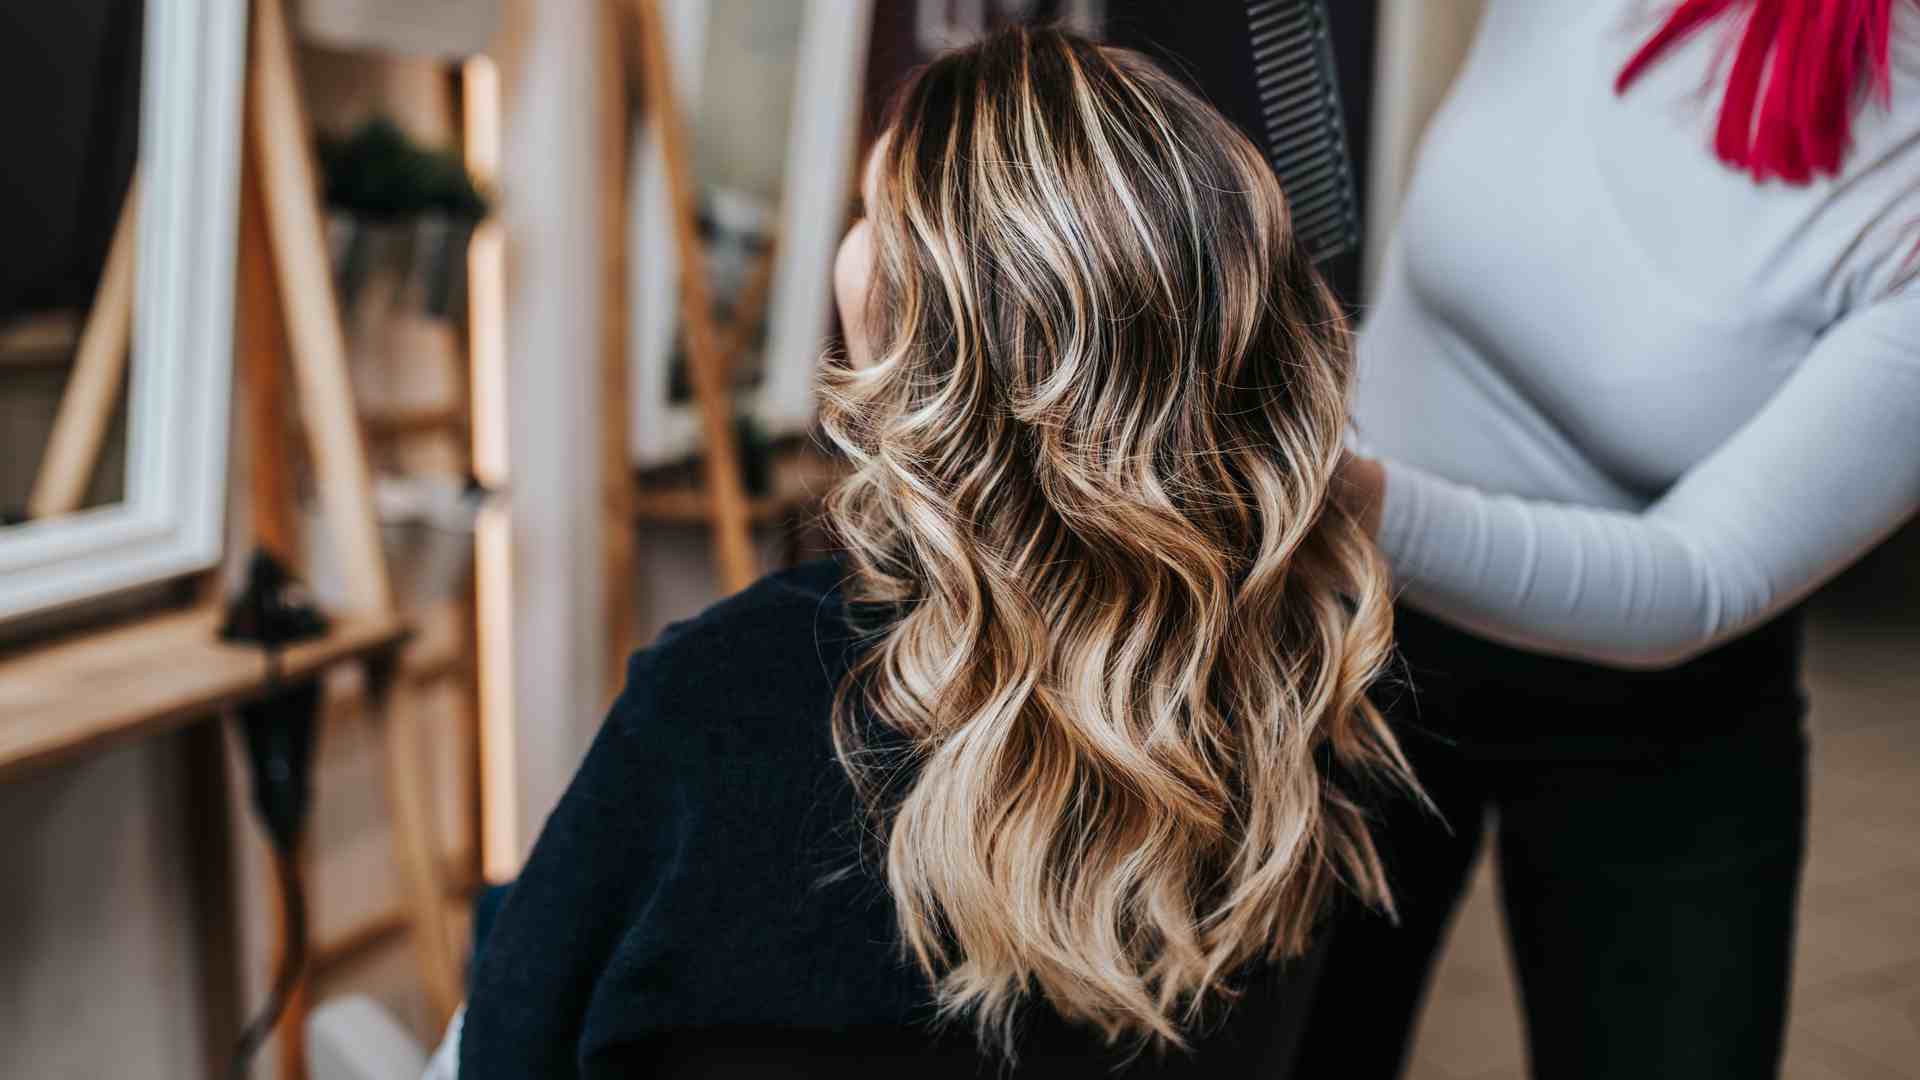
(1268, 66)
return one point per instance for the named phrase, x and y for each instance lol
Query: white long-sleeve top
(1632, 402)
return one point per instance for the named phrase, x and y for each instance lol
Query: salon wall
(98, 959)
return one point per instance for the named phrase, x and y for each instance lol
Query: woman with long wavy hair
(1060, 762)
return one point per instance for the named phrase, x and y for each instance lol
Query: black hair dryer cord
(272, 612)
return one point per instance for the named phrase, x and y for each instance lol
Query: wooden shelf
(149, 677)
(415, 422)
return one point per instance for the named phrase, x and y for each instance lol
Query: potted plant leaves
(402, 210)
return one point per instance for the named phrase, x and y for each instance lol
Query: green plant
(378, 172)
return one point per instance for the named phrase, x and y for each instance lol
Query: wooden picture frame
(179, 378)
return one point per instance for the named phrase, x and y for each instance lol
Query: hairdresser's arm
(1829, 467)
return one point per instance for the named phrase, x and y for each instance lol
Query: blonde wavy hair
(1122, 631)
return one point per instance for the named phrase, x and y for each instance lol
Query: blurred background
(514, 369)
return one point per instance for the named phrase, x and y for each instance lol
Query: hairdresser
(1643, 373)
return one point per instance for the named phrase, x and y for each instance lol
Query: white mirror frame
(192, 85)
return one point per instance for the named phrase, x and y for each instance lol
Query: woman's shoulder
(778, 628)
(780, 601)
(687, 850)
(775, 651)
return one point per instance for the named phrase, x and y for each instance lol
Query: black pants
(1651, 829)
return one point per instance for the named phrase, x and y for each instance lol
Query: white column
(555, 251)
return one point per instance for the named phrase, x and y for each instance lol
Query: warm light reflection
(500, 814)
(486, 277)
(487, 347)
(493, 550)
(480, 87)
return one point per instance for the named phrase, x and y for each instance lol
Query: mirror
(62, 416)
(115, 292)
(771, 90)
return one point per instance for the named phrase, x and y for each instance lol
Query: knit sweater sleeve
(1826, 469)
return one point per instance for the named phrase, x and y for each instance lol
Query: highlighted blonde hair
(1126, 637)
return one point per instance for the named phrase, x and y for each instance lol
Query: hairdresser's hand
(1360, 487)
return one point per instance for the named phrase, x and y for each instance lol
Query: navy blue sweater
(681, 914)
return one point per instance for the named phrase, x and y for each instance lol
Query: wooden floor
(1856, 995)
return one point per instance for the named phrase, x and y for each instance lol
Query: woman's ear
(852, 277)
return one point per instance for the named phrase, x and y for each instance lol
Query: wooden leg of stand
(707, 364)
(99, 371)
(473, 760)
(292, 1030)
(413, 846)
(617, 525)
(277, 135)
(259, 345)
